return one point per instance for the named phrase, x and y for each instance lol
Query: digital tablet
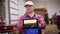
(30, 23)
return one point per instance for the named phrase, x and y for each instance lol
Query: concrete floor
(50, 29)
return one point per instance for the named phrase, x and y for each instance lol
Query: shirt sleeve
(20, 23)
(42, 21)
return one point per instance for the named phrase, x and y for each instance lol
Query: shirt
(39, 17)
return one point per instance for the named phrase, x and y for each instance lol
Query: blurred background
(11, 10)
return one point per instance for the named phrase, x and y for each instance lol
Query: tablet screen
(30, 23)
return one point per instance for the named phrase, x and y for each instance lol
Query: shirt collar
(29, 16)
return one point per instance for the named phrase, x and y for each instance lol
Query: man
(30, 14)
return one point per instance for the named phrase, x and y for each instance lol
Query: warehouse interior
(50, 9)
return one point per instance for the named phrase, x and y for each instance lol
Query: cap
(29, 3)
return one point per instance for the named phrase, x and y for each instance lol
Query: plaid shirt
(39, 17)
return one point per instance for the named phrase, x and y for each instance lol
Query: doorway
(2, 9)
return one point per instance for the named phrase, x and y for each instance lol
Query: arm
(20, 23)
(17, 28)
(42, 23)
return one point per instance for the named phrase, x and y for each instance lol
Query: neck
(31, 14)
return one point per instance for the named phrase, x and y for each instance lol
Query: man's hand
(39, 25)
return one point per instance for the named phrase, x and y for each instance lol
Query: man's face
(29, 8)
